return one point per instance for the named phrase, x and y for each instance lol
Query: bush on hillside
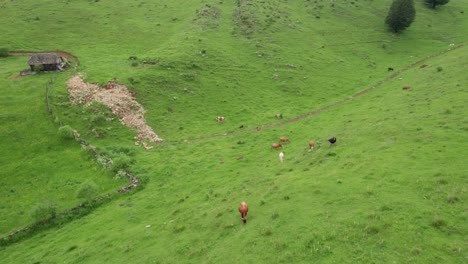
(45, 211)
(87, 191)
(401, 15)
(66, 132)
(434, 3)
(121, 162)
(4, 52)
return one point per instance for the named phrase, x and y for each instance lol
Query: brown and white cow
(311, 144)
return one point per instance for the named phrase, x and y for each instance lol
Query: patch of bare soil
(119, 100)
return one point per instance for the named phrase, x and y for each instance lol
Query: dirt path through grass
(285, 122)
(318, 111)
(134, 180)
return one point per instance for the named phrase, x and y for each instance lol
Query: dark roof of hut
(44, 58)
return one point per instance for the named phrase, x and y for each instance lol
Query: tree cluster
(435, 3)
(402, 13)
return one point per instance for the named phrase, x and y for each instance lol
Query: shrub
(4, 52)
(121, 162)
(87, 191)
(44, 211)
(66, 132)
(439, 69)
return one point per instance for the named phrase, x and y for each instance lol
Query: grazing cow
(332, 140)
(281, 156)
(311, 144)
(258, 128)
(220, 118)
(423, 66)
(276, 145)
(284, 139)
(279, 116)
(406, 87)
(243, 209)
(390, 69)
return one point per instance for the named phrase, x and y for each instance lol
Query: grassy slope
(373, 197)
(38, 167)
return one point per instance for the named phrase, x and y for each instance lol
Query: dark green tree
(434, 3)
(401, 15)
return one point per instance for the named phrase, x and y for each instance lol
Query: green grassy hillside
(393, 188)
(39, 167)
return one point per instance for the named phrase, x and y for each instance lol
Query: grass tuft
(438, 222)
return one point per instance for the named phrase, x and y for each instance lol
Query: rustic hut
(46, 62)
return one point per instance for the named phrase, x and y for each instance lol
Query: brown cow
(276, 145)
(243, 209)
(311, 144)
(284, 139)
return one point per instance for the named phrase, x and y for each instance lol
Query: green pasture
(392, 190)
(39, 168)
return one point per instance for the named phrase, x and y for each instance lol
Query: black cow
(332, 140)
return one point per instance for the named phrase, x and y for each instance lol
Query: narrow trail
(318, 111)
(285, 122)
